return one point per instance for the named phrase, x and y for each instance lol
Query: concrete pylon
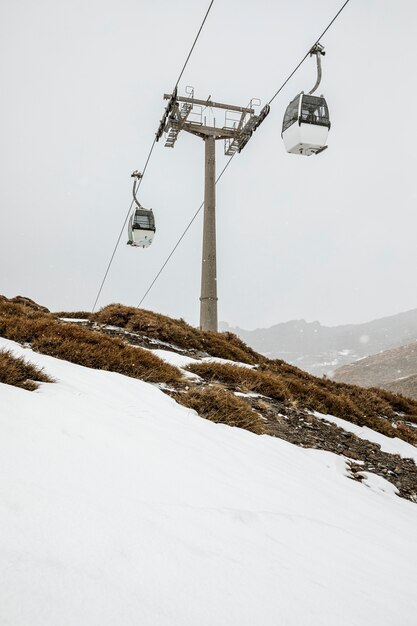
(208, 298)
(180, 115)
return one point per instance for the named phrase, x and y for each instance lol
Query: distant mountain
(322, 349)
(395, 370)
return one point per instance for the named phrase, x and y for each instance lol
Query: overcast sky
(329, 237)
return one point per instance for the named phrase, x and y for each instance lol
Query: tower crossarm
(251, 125)
(168, 111)
(181, 113)
(209, 131)
(210, 103)
(175, 122)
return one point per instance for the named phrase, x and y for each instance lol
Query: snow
(179, 360)
(388, 444)
(173, 358)
(378, 484)
(216, 359)
(118, 506)
(75, 320)
(182, 361)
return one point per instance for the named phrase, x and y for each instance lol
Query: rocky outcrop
(309, 431)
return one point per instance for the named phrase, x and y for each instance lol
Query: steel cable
(147, 161)
(182, 236)
(122, 229)
(227, 164)
(306, 55)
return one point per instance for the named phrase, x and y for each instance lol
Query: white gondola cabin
(306, 121)
(306, 125)
(141, 229)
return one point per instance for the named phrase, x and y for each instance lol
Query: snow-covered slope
(120, 507)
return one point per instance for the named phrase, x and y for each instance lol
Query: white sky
(329, 237)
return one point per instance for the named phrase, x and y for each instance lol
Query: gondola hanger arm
(136, 175)
(318, 51)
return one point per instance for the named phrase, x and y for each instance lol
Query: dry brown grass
(219, 405)
(361, 406)
(406, 433)
(399, 403)
(26, 322)
(82, 345)
(26, 303)
(16, 307)
(14, 370)
(243, 379)
(178, 332)
(353, 400)
(84, 315)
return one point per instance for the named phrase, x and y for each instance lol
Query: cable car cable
(306, 55)
(147, 161)
(195, 41)
(182, 236)
(228, 162)
(122, 230)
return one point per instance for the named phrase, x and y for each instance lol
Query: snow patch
(215, 359)
(173, 358)
(179, 360)
(378, 484)
(76, 320)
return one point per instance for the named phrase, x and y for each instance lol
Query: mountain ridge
(395, 370)
(320, 349)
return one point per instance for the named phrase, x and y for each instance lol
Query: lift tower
(187, 113)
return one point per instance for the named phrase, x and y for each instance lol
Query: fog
(328, 237)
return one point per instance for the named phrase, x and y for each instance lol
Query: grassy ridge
(219, 405)
(26, 322)
(17, 371)
(365, 407)
(178, 332)
(80, 345)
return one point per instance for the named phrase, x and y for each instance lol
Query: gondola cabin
(306, 125)
(141, 228)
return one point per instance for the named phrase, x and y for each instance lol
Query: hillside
(119, 506)
(395, 370)
(321, 349)
(217, 375)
